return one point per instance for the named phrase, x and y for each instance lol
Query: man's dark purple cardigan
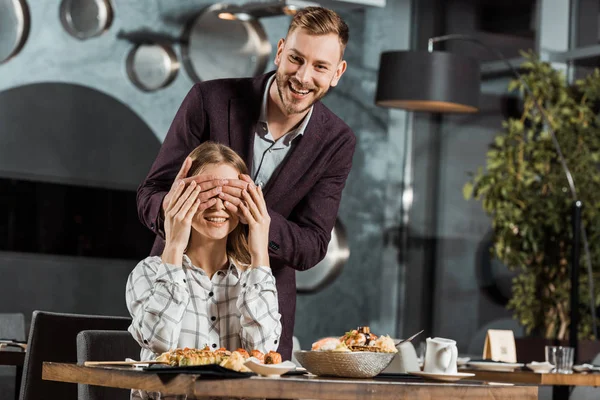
(302, 196)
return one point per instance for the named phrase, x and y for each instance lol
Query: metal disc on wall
(85, 19)
(326, 272)
(219, 48)
(152, 66)
(14, 27)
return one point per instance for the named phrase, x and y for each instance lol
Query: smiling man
(295, 147)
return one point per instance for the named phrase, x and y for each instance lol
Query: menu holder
(500, 346)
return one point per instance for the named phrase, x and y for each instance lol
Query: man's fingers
(229, 198)
(246, 178)
(185, 168)
(206, 204)
(204, 196)
(233, 191)
(238, 183)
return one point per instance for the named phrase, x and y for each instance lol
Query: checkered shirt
(174, 306)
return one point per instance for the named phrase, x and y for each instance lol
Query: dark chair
(52, 337)
(105, 346)
(12, 326)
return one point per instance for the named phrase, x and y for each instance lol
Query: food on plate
(233, 360)
(360, 339)
(326, 344)
(386, 344)
(244, 353)
(258, 355)
(273, 358)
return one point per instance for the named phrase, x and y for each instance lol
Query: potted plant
(525, 192)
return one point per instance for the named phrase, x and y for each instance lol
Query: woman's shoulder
(151, 262)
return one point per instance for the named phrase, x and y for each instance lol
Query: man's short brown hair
(320, 21)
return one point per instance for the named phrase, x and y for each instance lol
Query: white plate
(269, 369)
(585, 368)
(495, 366)
(442, 377)
(462, 361)
(540, 367)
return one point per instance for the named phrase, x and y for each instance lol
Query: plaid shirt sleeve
(156, 298)
(260, 318)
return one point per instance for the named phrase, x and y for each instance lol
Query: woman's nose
(219, 204)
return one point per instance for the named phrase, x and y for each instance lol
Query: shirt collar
(291, 135)
(232, 267)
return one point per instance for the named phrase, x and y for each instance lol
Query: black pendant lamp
(428, 81)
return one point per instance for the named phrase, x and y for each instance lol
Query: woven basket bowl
(346, 365)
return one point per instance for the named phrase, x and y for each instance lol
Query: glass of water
(561, 357)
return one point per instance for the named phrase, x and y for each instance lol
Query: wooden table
(575, 379)
(16, 359)
(284, 387)
(560, 382)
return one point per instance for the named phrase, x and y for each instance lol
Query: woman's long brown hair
(214, 153)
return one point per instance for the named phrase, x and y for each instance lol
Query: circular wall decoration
(215, 47)
(85, 19)
(152, 66)
(14, 27)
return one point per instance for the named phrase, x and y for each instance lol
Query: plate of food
(191, 359)
(357, 354)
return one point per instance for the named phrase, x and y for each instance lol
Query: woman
(213, 284)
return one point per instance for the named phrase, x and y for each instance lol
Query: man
(295, 148)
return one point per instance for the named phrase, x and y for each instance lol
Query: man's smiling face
(307, 66)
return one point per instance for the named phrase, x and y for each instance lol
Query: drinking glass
(561, 357)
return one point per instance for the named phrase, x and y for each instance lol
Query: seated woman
(213, 284)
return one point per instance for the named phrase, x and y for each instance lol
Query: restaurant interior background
(77, 137)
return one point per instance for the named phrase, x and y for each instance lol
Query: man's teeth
(217, 219)
(299, 91)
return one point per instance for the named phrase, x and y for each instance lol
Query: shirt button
(184, 281)
(211, 294)
(214, 345)
(275, 341)
(244, 285)
(213, 318)
(145, 341)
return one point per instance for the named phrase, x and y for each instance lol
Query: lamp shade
(428, 81)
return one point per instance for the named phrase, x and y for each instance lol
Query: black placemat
(397, 375)
(212, 371)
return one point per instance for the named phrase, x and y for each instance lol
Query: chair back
(12, 326)
(52, 337)
(102, 345)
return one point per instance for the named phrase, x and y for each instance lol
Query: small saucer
(442, 377)
(269, 369)
(540, 367)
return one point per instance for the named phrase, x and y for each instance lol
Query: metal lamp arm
(577, 227)
(498, 54)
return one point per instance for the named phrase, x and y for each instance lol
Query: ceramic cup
(440, 356)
